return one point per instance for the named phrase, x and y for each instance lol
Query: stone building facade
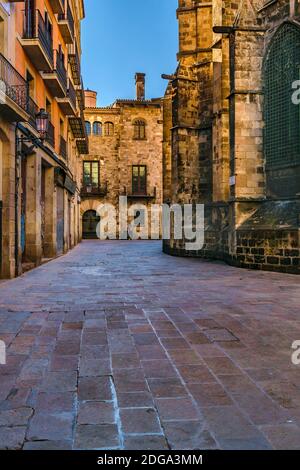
(231, 130)
(125, 156)
(40, 47)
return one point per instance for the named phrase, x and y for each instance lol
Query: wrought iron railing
(32, 109)
(50, 138)
(91, 190)
(13, 84)
(35, 28)
(61, 69)
(74, 62)
(71, 94)
(63, 148)
(67, 16)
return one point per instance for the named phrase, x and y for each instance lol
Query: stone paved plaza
(118, 346)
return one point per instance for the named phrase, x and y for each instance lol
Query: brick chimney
(90, 99)
(140, 86)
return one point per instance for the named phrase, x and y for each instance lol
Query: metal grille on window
(282, 118)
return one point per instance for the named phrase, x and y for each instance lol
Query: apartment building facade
(40, 79)
(125, 156)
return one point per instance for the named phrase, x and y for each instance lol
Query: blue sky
(121, 37)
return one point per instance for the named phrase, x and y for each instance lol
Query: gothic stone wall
(226, 168)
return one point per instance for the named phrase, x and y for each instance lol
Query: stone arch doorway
(90, 220)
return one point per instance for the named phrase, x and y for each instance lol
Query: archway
(90, 221)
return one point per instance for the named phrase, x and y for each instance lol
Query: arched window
(109, 129)
(97, 128)
(88, 127)
(139, 129)
(281, 115)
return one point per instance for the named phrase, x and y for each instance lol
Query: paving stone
(147, 442)
(222, 366)
(59, 363)
(125, 361)
(97, 437)
(188, 435)
(245, 391)
(192, 373)
(158, 369)
(172, 409)
(135, 400)
(61, 381)
(12, 438)
(167, 388)
(96, 413)
(15, 417)
(48, 445)
(209, 394)
(94, 388)
(140, 421)
(50, 427)
(184, 357)
(53, 402)
(94, 367)
(283, 436)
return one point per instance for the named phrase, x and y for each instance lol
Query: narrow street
(118, 346)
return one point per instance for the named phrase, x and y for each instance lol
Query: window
(139, 130)
(97, 128)
(139, 179)
(108, 129)
(91, 174)
(282, 136)
(88, 127)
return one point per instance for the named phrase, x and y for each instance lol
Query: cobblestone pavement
(116, 345)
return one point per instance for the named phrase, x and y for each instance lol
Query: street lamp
(42, 125)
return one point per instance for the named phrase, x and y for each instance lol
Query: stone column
(33, 248)
(7, 195)
(50, 214)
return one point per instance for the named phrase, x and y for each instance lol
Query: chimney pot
(140, 86)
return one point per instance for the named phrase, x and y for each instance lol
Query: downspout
(16, 203)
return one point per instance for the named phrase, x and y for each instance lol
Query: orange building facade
(40, 51)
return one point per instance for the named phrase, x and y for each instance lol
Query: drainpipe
(16, 203)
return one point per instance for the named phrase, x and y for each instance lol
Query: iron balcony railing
(63, 148)
(74, 61)
(91, 190)
(32, 109)
(50, 138)
(13, 84)
(35, 28)
(71, 94)
(60, 68)
(67, 16)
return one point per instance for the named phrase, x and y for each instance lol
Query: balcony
(51, 135)
(37, 42)
(80, 96)
(67, 104)
(77, 125)
(83, 146)
(13, 93)
(58, 6)
(89, 191)
(140, 195)
(65, 23)
(33, 109)
(56, 80)
(63, 151)
(74, 62)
